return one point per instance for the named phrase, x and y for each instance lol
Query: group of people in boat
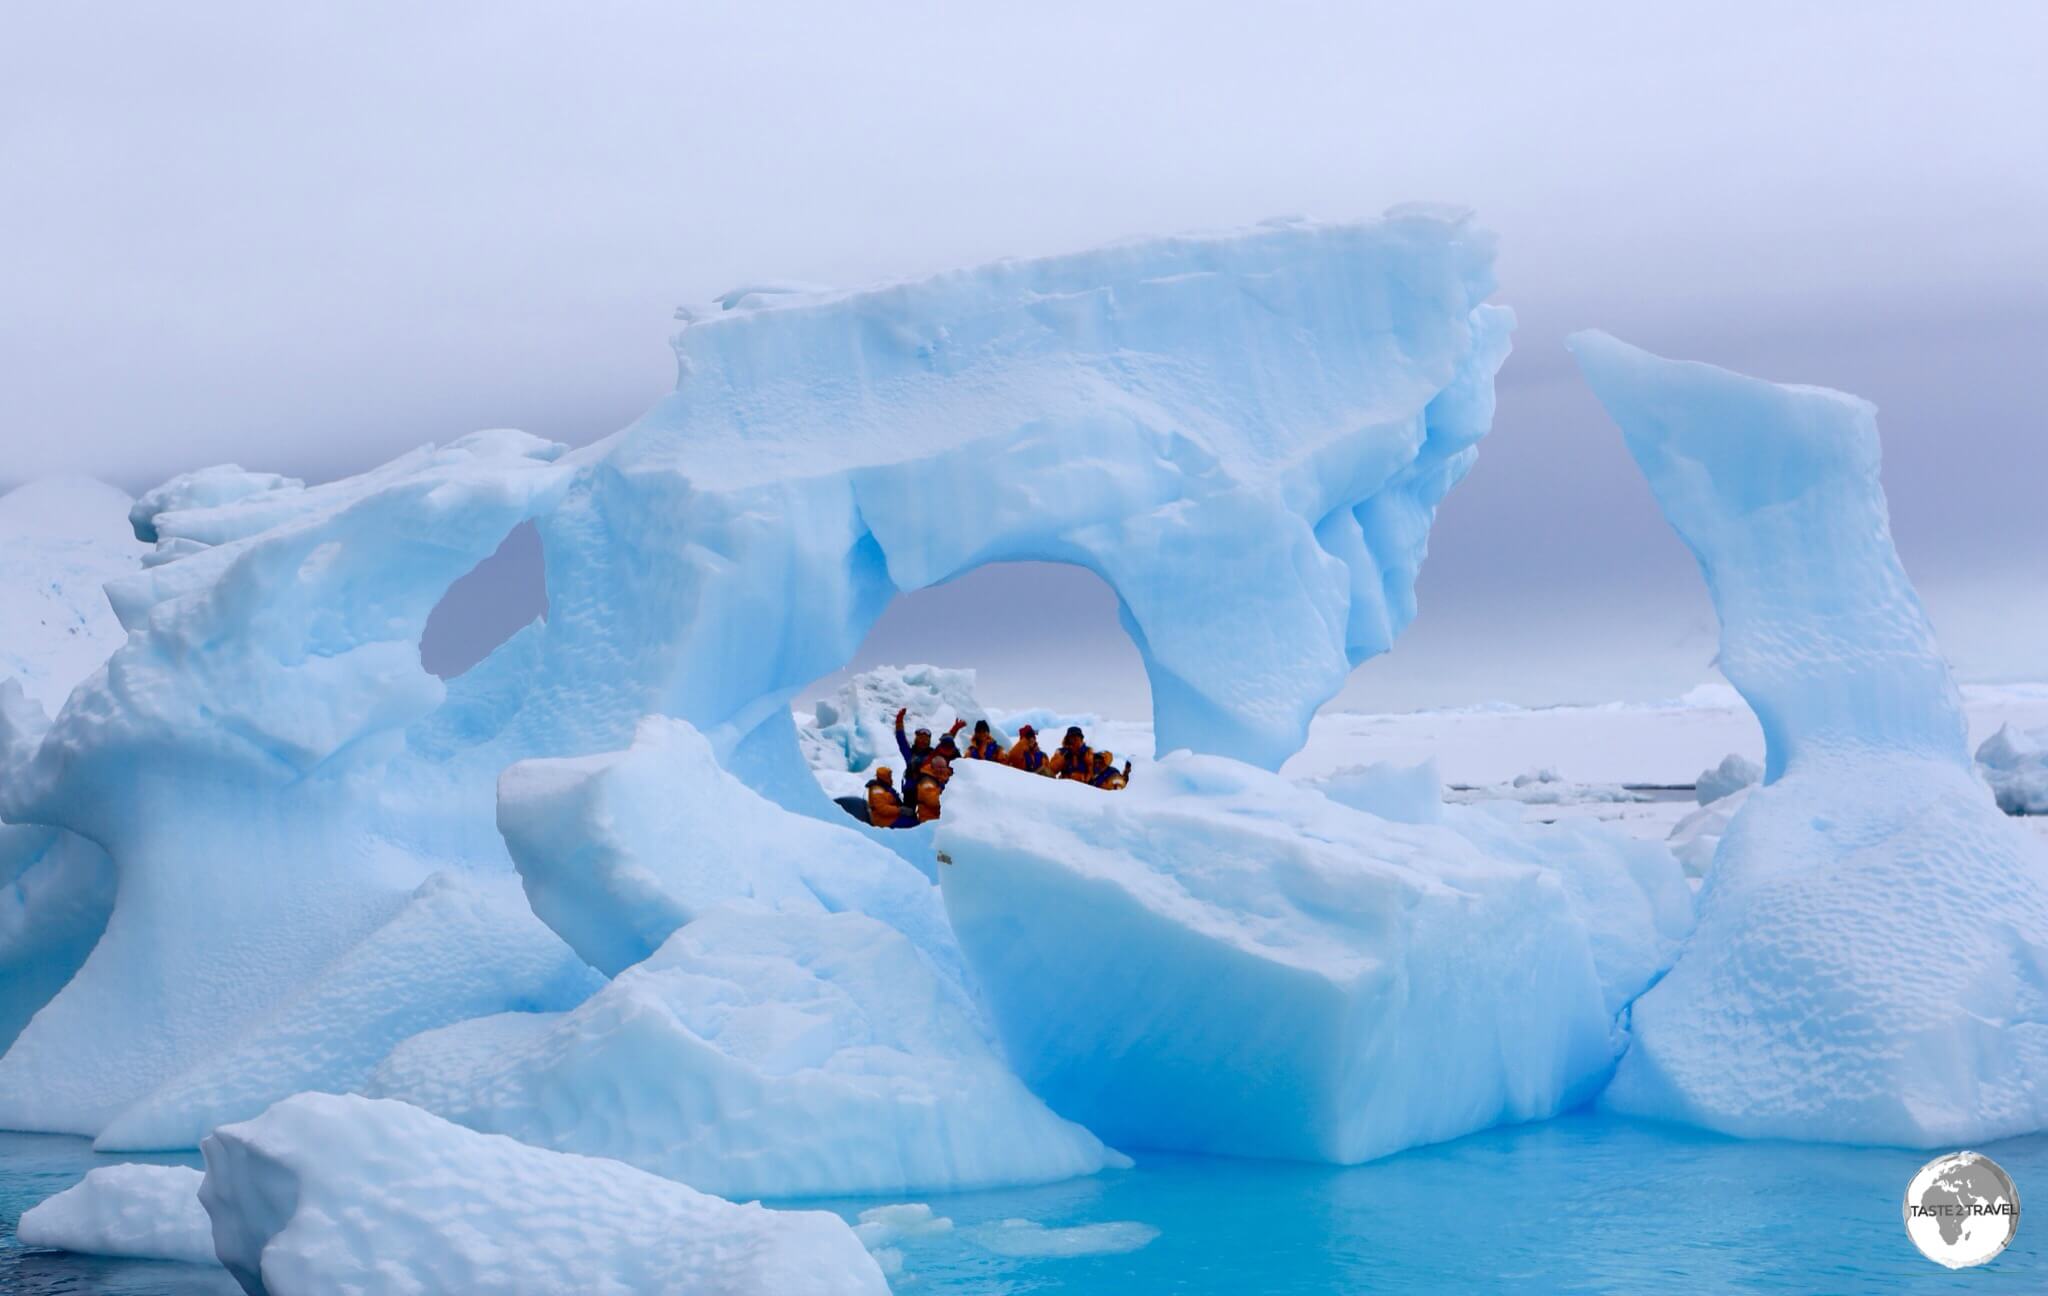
(928, 767)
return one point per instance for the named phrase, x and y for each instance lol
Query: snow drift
(1871, 962)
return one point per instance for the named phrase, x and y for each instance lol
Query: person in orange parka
(1025, 754)
(1073, 760)
(982, 744)
(885, 808)
(937, 771)
(1106, 775)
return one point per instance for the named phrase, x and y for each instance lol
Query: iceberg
(232, 758)
(758, 1053)
(1246, 435)
(325, 1195)
(1218, 960)
(134, 1211)
(1869, 961)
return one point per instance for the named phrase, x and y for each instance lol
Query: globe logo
(1962, 1209)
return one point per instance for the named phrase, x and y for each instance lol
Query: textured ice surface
(464, 946)
(759, 1053)
(618, 850)
(1869, 962)
(326, 1196)
(2015, 764)
(140, 1212)
(1218, 960)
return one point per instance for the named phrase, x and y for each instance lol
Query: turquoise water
(1580, 1204)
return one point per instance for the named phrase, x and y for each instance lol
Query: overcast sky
(305, 237)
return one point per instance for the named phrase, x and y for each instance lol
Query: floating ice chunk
(1869, 961)
(1733, 774)
(759, 1054)
(2016, 767)
(1547, 787)
(1218, 960)
(326, 1196)
(881, 1225)
(1028, 1238)
(462, 947)
(619, 850)
(137, 1212)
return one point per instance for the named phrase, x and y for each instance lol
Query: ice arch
(1244, 436)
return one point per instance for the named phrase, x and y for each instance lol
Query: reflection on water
(1581, 1204)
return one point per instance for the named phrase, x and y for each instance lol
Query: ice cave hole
(1043, 640)
(489, 604)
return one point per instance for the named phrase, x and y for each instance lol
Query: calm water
(1581, 1204)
